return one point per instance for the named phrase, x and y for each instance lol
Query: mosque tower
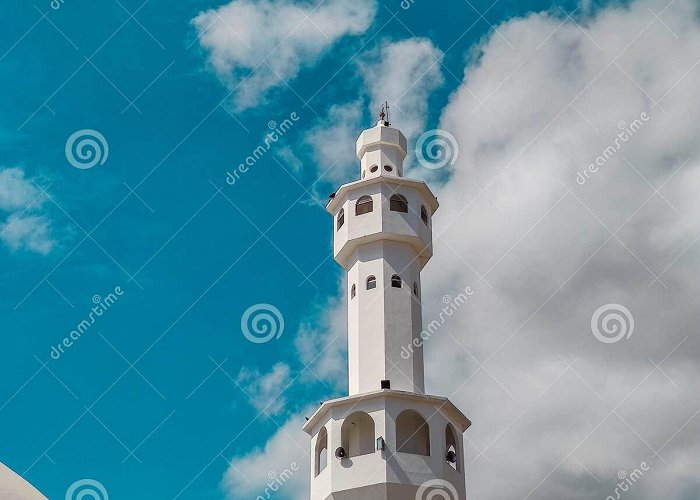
(387, 440)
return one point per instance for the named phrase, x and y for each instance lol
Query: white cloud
(404, 73)
(16, 191)
(333, 138)
(551, 101)
(266, 391)
(31, 232)
(26, 226)
(322, 343)
(286, 452)
(255, 46)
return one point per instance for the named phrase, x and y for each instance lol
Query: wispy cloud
(16, 191)
(405, 73)
(266, 390)
(332, 140)
(250, 475)
(27, 227)
(255, 46)
(31, 232)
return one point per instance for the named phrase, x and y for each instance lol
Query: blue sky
(151, 400)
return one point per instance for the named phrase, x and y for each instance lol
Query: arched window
(396, 281)
(371, 282)
(451, 453)
(321, 452)
(412, 433)
(341, 219)
(424, 214)
(353, 291)
(398, 203)
(364, 205)
(415, 289)
(357, 434)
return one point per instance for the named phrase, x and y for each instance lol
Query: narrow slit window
(321, 451)
(341, 219)
(371, 282)
(353, 292)
(424, 214)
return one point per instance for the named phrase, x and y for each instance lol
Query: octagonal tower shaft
(383, 239)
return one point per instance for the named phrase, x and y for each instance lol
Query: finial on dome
(384, 115)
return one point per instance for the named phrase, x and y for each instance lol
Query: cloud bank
(545, 249)
(557, 413)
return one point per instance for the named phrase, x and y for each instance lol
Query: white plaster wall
(383, 322)
(380, 157)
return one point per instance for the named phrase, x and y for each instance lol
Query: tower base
(395, 492)
(387, 445)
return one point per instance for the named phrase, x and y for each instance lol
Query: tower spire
(362, 444)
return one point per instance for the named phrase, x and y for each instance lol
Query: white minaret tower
(387, 440)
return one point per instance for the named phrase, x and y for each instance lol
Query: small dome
(13, 487)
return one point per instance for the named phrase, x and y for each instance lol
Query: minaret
(387, 440)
